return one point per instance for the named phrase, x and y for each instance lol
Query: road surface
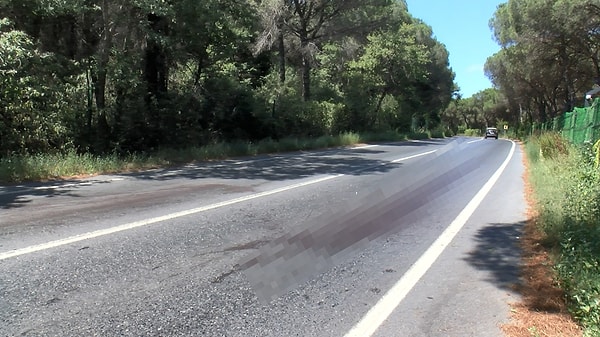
(401, 239)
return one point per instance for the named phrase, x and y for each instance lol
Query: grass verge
(71, 164)
(566, 205)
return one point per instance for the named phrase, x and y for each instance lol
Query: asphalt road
(401, 239)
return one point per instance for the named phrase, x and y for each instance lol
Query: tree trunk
(305, 70)
(378, 107)
(156, 76)
(90, 102)
(98, 77)
(156, 70)
(281, 49)
(103, 129)
(305, 78)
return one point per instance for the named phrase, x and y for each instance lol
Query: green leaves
(549, 57)
(134, 75)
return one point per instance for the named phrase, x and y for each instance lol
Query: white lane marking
(396, 160)
(141, 223)
(413, 156)
(474, 141)
(377, 315)
(364, 146)
(136, 224)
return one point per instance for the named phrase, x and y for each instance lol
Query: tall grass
(567, 192)
(56, 166)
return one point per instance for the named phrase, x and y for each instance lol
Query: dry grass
(542, 310)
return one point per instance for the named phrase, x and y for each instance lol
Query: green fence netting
(582, 125)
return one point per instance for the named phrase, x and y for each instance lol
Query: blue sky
(462, 25)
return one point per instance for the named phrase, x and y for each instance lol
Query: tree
(393, 63)
(32, 113)
(549, 55)
(311, 22)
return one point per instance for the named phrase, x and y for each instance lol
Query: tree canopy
(136, 75)
(549, 56)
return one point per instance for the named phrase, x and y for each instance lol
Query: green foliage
(418, 135)
(473, 133)
(53, 166)
(118, 77)
(390, 135)
(18, 168)
(567, 190)
(32, 109)
(532, 149)
(552, 145)
(596, 149)
(437, 133)
(549, 55)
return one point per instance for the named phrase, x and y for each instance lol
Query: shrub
(390, 135)
(418, 135)
(473, 133)
(437, 133)
(552, 144)
(349, 138)
(567, 191)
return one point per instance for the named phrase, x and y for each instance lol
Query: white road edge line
(377, 315)
(141, 223)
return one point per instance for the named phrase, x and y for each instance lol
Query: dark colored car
(491, 132)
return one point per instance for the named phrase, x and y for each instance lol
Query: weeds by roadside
(69, 164)
(567, 203)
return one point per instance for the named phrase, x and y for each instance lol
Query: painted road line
(136, 224)
(377, 315)
(396, 161)
(364, 146)
(413, 156)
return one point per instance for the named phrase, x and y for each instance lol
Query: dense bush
(473, 133)
(567, 187)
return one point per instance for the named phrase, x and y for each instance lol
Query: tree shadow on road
(276, 168)
(498, 252)
(21, 195)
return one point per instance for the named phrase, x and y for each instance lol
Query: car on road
(491, 132)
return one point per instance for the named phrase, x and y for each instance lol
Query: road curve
(299, 244)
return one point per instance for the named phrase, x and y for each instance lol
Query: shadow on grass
(498, 252)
